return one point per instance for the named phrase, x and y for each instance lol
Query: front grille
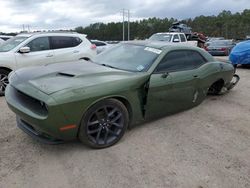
(36, 106)
(38, 135)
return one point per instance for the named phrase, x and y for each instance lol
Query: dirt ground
(204, 147)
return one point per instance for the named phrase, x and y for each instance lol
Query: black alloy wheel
(3, 81)
(104, 124)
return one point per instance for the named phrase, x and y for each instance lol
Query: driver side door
(40, 53)
(173, 86)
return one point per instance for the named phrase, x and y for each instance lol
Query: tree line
(225, 24)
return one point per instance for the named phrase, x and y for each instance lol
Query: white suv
(35, 49)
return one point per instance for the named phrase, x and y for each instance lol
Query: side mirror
(176, 40)
(24, 49)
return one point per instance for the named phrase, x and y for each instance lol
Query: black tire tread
(82, 133)
(2, 71)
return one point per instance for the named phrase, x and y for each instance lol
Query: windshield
(161, 37)
(128, 57)
(11, 43)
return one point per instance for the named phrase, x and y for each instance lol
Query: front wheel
(3, 81)
(104, 124)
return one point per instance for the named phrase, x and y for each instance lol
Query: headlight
(44, 105)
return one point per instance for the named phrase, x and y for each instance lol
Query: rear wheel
(3, 81)
(216, 87)
(104, 124)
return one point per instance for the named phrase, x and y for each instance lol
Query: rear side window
(195, 59)
(176, 37)
(180, 60)
(39, 44)
(98, 43)
(5, 38)
(183, 38)
(58, 42)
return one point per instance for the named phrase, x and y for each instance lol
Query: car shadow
(243, 67)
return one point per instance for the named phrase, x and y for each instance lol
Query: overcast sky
(66, 14)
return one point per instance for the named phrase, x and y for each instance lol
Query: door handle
(164, 75)
(76, 51)
(195, 76)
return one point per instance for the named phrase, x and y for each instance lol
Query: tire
(216, 88)
(104, 124)
(3, 81)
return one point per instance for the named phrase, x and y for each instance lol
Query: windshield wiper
(106, 65)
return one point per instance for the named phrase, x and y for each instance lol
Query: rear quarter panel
(214, 71)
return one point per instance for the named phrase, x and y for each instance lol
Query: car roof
(169, 33)
(7, 36)
(169, 46)
(161, 44)
(57, 33)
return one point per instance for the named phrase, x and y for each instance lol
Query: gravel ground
(207, 146)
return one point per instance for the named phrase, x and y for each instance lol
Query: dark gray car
(220, 47)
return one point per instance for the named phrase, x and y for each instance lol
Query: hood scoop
(65, 74)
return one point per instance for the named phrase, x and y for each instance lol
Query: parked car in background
(240, 54)
(100, 45)
(173, 37)
(5, 37)
(35, 49)
(210, 39)
(125, 85)
(215, 38)
(220, 47)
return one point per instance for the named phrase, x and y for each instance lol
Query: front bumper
(34, 114)
(233, 82)
(37, 135)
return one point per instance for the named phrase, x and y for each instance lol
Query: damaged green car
(96, 101)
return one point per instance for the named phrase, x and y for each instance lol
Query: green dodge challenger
(96, 101)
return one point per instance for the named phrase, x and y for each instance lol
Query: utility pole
(125, 12)
(123, 26)
(128, 25)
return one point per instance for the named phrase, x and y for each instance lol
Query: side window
(183, 38)
(176, 37)
(180, 60)
(64, 42)
(76, 41)
(172, 62)
(39, 44)
(195, 59)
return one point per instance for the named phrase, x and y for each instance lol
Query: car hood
(57, 77)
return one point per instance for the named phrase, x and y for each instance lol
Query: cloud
(66, 14)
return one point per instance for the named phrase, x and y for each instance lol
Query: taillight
(223, 49)
(93, 46)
